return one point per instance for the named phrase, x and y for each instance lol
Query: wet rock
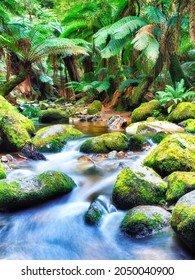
(105, 143)
(53, 115)
(183, 219)
(145, 110)
(84, 163)
(4, 159)
(143, 221)
(30, 191)
(116, 123)
(137, 142)
(179, 183)
(153, 127)
(183, 111)
(134, 188)
(113, 155)
(53, 138)
(175, 153)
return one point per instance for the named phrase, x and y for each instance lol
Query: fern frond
(72, 30)
(153, 14)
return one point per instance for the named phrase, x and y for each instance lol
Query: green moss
(183, 220)
(31, 191)
(132, 189)
(137, 142)
(179, 183)
(145, 110)
(93, 214)
(175, 153)
(144, 220)
(53, 115)
(15, 126)
(183, 111)
(94, 107)
(190, 125)
(53, 138)
(2, 172)
(157, 137)
(105, 143)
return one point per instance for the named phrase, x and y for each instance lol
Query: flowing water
(57, 230)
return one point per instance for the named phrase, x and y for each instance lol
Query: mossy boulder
(183, 111)
(145, 110)
(2, 172)
(53, 138)
(138, 188)
(183, 219)
(53, 116)
(136, 142)
(175, 153)
(189, 125)
(105, 143)
(15, 127)
(94, 107)
(95, 212)
(28, 192)
(153, 127)
(143, 221)
(179, 183)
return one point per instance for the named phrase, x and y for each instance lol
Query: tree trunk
(9, 86)
(71, 65)
(192, 21)
(176, 71)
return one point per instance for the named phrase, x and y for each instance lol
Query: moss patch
(53, 138)
(15, 127)
(94, 107)
(179, 183)
(175, 153)
(53, 116)
(142, 221)
(183, 111)
(190, 125)
(183, 219)
(145, 110)
(132, 189)
(136, 142)
(28, 192)
(105, 143)
(2, 172)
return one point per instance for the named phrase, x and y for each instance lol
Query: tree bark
(71, 65)
(9, 86)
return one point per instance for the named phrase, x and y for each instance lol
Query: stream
(57, 231)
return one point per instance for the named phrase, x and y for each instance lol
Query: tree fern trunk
(9, 86)
(192, 21)
(71, 65)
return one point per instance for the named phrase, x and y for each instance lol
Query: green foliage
(30, 111)
(174, 95)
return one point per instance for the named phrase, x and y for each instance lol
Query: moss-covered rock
(153, 127)
(53, 138)
(94, 213)
(183, 111)
(189, 125)
(183, 219)
(28, 192)
(179, 183)
(94, 107)
(145, 110)
(137, 188)
(53, 116)
(105, 143)
(15, 127)
(2, 172)
(136, 142)
(175, 153)
(142, 221)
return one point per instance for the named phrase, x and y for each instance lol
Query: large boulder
(138, 188)
(53, 116)
(105, 143)
(183, 111)
(53, 138)
(142, 221)
(94, 107)
(28, 192)
(2, 172)
(145, 110)
(152, 127)
(175, 153)
(15, 127)
(179, 183)
(183, 219)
